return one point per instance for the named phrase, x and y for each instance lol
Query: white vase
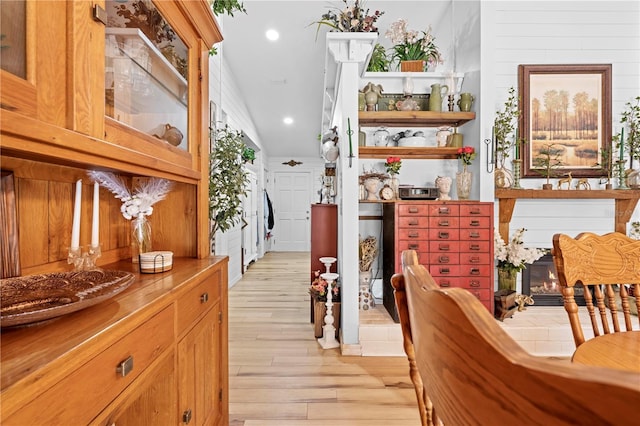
(365, 298)
(395, 185)
(463, 184)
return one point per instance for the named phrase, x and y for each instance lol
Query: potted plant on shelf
(248, 155)
(504, 134)
(379, 61)
(630, 117)
(413, 50)
(546, 162)
(350, 19)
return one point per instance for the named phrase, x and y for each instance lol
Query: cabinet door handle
(443, 259)
(443, 235)
(444, 270)
(474, 247)
(475, 223)
(204, 297)
(474, 271)
(125, 366)
(444, 210)
(413, 222)
(186, 416)
(474, 211)
(413, 234)
(443, 223)
(413, 210)
(474, 235)
(474, 283)
(413, 246)
(443, 247)
(474, 259)
(445, 283)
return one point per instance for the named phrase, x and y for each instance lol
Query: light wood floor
(280, 376)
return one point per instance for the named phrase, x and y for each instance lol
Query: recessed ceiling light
(272, 35)
(288, 120)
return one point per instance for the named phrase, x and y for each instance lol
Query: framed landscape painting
(565, 110)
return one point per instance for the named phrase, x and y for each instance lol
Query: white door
(292, 205)
(250, 222)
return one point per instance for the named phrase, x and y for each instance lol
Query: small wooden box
(505, 304)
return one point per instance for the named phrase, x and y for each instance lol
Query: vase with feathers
(137, 205)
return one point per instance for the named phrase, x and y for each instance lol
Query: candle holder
(451, 101)
(84, 261)
(622, 177)
(328, 339)
(328, 261)
(516, 174)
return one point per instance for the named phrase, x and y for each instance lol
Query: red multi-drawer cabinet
(453, 239)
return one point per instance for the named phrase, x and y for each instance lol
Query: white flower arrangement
(515, 255)
(141, 201)
(634, 232)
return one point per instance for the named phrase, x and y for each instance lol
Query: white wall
(558, 32)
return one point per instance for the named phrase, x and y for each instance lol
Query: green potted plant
(416, 49)
(379, 61)
(350, 19)
(631, 117)
(504, 133)
(227, 179)
(546, 162)
(248, 155)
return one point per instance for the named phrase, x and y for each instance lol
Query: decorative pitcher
(435, 98)
(465, 101)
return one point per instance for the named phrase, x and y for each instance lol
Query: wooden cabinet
(116, 362)
(324, 236)
(453, 239)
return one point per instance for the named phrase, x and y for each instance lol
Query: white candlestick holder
(328, 339)
(327, 261)
(84, 261)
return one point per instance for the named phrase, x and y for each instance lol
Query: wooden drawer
(474, 222)
(197, 301)
(88, 390)
(444, 222)
(475, 258)
(413, 210)
(440, 210)
(444, 234)
(444, 258)
(413, 234)
(476, 209)
(444, 270)
(474, 246)
(413, 222)
(444, 246)
(475, 270)
(467, 234)
(419, 246)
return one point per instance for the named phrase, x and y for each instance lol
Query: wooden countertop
(25, 352)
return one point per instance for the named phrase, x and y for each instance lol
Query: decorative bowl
(33, 298)
(413, 141)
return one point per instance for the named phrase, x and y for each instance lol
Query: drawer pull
(125, 366)
(474, 283)
(476, 294)
(445, 284)
(413, 210)
(204, 298)
(413, 246)
(444, 270)
(474, 235)
(443, 247)
(443, 259)
(444, 210)
(413, 234)
(474, 271)
(443, 223)
(474, 259)
(443, 235)
(474, 247)
(186, 416)
(475, 223)
(474, 211)
(413, 222)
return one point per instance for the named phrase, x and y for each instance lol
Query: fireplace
(539, 280)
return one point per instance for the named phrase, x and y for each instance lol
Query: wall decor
(292, 163)
(568, 106)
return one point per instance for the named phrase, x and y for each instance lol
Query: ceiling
(286, 77)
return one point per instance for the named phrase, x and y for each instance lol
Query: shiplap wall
(565, 32)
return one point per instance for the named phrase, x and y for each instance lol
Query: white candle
(95, 224)
(75, 230)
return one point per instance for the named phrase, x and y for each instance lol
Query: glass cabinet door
(13, 37)
(146, 71)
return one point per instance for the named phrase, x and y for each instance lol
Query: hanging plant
(227, 179)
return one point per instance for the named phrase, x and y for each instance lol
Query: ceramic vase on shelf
(365, 298)
(507, 279)
(463, 184)
(412, 66)
(140, 237)
(516, 173)
(502, 177)
(395, 185)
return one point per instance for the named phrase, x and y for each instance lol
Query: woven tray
(24, 300)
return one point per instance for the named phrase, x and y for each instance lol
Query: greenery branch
(504, 128)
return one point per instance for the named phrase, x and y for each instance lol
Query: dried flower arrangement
(367, 252)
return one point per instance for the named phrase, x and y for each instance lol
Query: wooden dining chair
(608, 266)
(476, 374)
(425, 407)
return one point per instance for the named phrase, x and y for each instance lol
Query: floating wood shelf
(625, 203)
(414, 118)
(443, 153)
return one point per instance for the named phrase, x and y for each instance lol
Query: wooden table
(615, 350)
